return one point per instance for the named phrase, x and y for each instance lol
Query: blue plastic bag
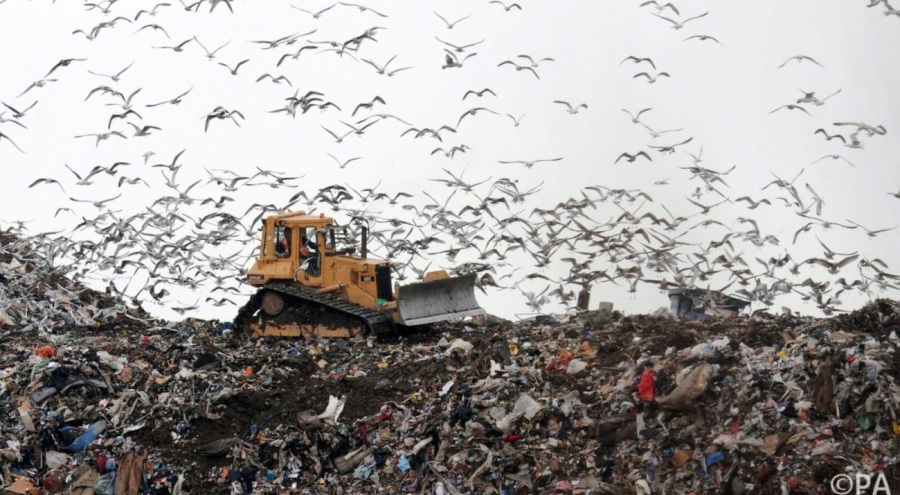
(86, 438)
(403, 463)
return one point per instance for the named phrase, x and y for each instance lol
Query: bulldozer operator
(283, 246)
(309, 260)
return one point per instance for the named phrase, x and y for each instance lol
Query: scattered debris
(109, 401)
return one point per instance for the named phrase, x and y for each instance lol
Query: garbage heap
(598, 403)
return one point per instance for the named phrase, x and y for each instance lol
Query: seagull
(829, 254)
(382, 69)
(829, 137)
(631, 158)
(143, 131)
(569, 107)
(10, 141)
(529, 164)
(115, 77)
(871, 233)
(660, 8)
(836, 157)
(97, 204)
(37, 84)
(338, 139)
(702, 37)
(64, 63)
(13, 121)
(222, 113)
(345, 162)
(48, 181)
(800, 58)
(638, 60)
(536, 63)
(855, 143)
(473, 112)
(833, 268)
(276, 80)
(520, 67)
(706, 208)
(363, 8)
(450, 154)
(86, 180)
(459, 48)
(173, 101)
(636, 118)
(680, 24)
(506, 7)
(451, 60)
(132, 182)
(295, 55)
(122, 116)
(671, 149)
(753, 204)
(281, 41)
(127, 101)
(367, 105)
(211, 54)
(451, 24)
(650, 79)
(103, 136)
(317, 14)
(20, 114)
(791, 107)
(656, 134)
(478, 93)
(151, 12)
(236, 67)
(155, 27)
(515, 120)
(177, 48)
(817, 201)
(810, 97)
(862, 126)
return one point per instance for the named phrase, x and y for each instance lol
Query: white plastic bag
(527, 406)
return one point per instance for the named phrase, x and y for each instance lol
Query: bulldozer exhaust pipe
(364, 249)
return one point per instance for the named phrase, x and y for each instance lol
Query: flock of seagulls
(198, 234)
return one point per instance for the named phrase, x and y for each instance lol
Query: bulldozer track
(375, 323)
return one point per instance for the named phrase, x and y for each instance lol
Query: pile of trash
(596, 403)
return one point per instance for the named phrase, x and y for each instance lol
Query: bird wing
(666, 18)
(697, 17)
(442, 18)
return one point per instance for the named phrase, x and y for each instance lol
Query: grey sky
(721, 96)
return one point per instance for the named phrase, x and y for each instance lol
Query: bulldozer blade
(439, 300)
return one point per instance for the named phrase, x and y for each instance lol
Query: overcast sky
(721, 95)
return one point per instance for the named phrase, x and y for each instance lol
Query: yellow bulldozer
(312, 282)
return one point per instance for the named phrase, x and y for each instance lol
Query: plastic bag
(575, 366)
(526, 406)
(645, 388)
(689, 389)
(56, 459)
(403, 463)
(86, 438)
(106, 484)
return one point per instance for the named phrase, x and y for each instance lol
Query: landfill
(99, 398)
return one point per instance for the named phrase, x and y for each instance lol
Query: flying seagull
(800, 58)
